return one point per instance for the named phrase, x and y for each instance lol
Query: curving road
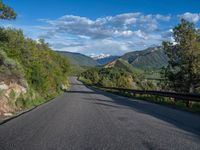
(86, 119)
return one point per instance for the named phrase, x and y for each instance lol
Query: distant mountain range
(148, 59)
(106, 60)
(124, 65)
(79, 59)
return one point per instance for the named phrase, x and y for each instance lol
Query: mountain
(79, 59)
(122, 64)
(150, 58)
(106, 60)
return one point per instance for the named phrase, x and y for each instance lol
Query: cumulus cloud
(167, 35)
(64, 45)
(192, 17)
(105, 46)
(123, 25)
(141, 34)
(113, 35)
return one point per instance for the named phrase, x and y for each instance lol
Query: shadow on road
(82, 92)
(76, 84)
(183, 120)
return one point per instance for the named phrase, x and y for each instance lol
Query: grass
(32, 99)
(1, 93)
(12, 94)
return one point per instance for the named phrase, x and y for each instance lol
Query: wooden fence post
(188, 104)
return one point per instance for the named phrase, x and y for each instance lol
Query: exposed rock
(64, 87)
(3, 86)
(8, 96)
(8, 114)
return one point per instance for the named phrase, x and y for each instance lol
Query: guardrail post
(188, 104)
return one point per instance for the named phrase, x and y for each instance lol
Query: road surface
(86, 119)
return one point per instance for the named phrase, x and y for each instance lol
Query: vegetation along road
(84, 118)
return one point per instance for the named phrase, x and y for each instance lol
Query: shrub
(27, 60)
(107, 77)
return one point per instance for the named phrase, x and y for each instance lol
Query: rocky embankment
(9, 92)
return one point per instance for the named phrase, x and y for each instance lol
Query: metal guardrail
(187, 97)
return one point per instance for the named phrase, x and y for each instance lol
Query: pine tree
(183, 70)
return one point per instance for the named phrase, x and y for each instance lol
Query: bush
(10, 67)
(107, 77)
(44, 70)
(105, 82)
(116, 77)
(124, 82)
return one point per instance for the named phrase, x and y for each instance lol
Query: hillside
(123, 65)
(118, 73)
(79, 59)
(30, 72)
(151, 58)
(106, 60)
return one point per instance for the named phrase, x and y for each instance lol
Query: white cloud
(192, 17)
(167, 35)
(163, 18)
(141, 34)
(111, 26)
(113, 35)
(108, 35)
(99, 56)
(98, 46)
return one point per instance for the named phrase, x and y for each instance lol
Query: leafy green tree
(124, 82)
(107, 77)
(6, 12)
(30, 63)
(183, 70)
(44, 70)
(105, 82)
(43, 44)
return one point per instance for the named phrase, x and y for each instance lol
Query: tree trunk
(191, 90)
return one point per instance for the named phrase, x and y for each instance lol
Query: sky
(94, 27)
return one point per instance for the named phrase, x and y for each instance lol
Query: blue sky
(94, 27)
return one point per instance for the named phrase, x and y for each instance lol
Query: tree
(6, 12)
(43, 44)
(124, 82)
(183, 70)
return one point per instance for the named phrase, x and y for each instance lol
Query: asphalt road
(86, 119)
